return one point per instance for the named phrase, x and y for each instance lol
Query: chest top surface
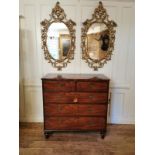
(92, 77)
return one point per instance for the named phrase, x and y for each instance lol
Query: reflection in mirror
(97, 41)
(58, 40)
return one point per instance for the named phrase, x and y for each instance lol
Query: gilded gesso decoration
(98, 36)
(58, 38)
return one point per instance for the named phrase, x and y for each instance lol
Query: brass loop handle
(109, 99)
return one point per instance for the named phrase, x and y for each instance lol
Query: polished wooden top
(66, 76)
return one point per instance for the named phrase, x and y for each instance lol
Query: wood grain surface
(75, 103)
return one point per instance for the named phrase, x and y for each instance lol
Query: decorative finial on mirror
(58, 12)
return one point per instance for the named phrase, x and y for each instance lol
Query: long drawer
(62, 97)
(74, 110)
(75, 123)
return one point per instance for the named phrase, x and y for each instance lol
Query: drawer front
(93, 86)
(56, 86)
(75, 123)
(61, 123)
(60, 110)
(92, 110)
(58, 97)
(91, 123)
(92, 98)
(75, 97)
(74, 110)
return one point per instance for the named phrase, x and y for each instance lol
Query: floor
(119, 140)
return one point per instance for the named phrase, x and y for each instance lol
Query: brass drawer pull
(90, 96)
(61, 84)
(91, 86)
(75, 100)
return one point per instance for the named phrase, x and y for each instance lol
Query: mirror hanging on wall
(58, 38)
(98, 36)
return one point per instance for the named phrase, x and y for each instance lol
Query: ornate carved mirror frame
(100, 16)
(58, 16)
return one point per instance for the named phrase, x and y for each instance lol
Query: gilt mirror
(58, 38)
(98, 36)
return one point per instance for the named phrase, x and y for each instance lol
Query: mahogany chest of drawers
(73, 102)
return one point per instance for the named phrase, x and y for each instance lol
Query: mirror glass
(58, 40)
(97, 41)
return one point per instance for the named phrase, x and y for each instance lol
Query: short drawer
(91, 123)
(60, 110)
(56, 86)
(92, 110)
(58, 97)
(61, 123)
(93, 86)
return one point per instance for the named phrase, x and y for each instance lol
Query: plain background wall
(33, 65)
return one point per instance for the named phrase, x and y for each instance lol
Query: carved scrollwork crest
(58, 15)
(99, 16)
